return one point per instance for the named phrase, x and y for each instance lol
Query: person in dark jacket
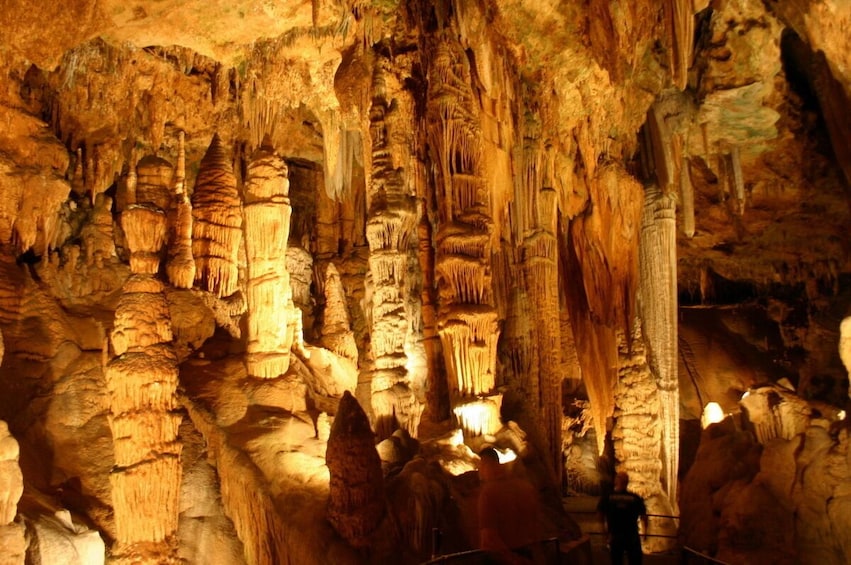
(620, 511)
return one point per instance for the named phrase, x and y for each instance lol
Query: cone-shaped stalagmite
(268, 292)
(356, 504)
(217, 222)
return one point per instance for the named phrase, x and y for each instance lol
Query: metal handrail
(476, 552)
(697, 553)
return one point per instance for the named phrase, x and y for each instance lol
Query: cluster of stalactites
(267, 228)
(390, 232)
(141, 379)
(467, 320)
(217, 223)
(658, 312)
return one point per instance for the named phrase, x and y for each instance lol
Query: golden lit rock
(269, 295)
(217, 222)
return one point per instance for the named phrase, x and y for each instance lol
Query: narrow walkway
(583, 510)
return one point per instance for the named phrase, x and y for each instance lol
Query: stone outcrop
(356, 505)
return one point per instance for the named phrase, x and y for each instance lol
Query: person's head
(489, 466)
(621, 481)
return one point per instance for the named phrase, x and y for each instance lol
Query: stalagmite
(337, 334)
(389, 232)
(141, 379)
(637, 436)
(356, 504)
(181, 265)
(267, 229)
(217, 227)
(658, 312)
(13, 545)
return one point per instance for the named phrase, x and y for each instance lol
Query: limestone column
(541, 271)
(658, 312)
(141, 378)
(390, 229)
(267, 230)
(467, 318)
(217, 223)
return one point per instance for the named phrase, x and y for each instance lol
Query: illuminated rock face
(658, 308)
(390, 232)
(12, 543)
(217, 223)
(467, 182)
(267, 229)
(467, 320)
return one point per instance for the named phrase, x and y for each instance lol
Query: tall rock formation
(141, 375)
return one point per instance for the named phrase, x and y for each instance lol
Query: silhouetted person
(620, 511)
(509, 513)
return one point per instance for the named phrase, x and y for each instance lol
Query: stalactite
(141, 379)
(658, 311)
(737, 179)
(267, 229)
(687, 199)
(680, 22)
(356, 503)
(181, 265)
(217, 223)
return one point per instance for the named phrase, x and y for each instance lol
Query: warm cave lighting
(840, 415)
(745, 395)
(506, 455)
(712, 414)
